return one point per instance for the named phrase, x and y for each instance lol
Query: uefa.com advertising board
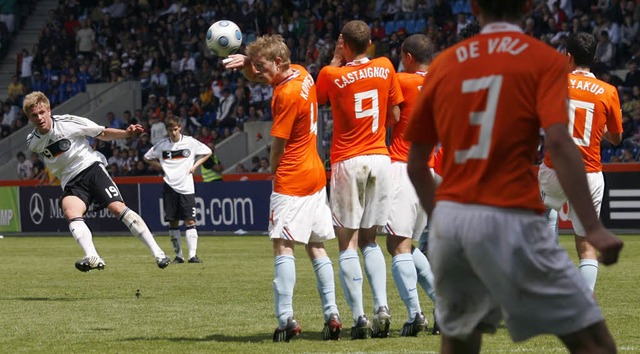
(231, 206)
(220, 207)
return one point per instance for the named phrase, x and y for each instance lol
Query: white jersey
(158, 132)
(176, 160)
(65, 147)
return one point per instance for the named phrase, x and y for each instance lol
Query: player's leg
(321, 231)
(586, 252)
(406, 278)
(350, 274)
(592, 339)
(171, 207)
(191, 235)
(376, 204)
(187, 207)
(176, 240)
(106, 193)
(326, 289)
(73, 209)
(347, 214)
(588, 261)
(472, 344)
(552, 218)
(139, 228)
(284, 281)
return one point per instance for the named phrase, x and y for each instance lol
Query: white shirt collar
(496, 27)
(584, 73)
(358, 62)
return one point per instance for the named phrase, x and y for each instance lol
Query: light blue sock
(552, 218)
(376, 270)
(326, 285)
(425, 275)
(406, 278)
(283, 282)
(351, 280)
(589, 270)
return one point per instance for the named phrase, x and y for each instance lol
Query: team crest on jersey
(57, 148)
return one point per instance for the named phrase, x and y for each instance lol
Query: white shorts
(360, 191)
(553, 196)
(490, 262)
(407, 218)
(301, 219)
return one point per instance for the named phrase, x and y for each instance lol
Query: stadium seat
(421, 24)
(388, 27)
(606, 154)
(398, 25)
(411, 27)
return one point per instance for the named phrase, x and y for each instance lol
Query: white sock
(137, 226)
(82, 234)
(191, 235)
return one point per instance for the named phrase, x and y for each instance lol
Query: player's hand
(134, 129)
(338, 53)
(607, 244)
(236, 62)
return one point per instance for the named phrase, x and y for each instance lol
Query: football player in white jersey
(179, 157)
(62, 139)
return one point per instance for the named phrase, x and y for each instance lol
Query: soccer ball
(224, 38)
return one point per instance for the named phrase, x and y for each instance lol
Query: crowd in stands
(161, 43)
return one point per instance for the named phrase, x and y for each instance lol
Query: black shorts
(93, 186)
(178, 206)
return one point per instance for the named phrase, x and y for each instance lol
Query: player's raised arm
(243, 63)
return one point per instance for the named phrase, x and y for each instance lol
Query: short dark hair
(503, 9)
(582, 47)
(420, 47)
(357, 35)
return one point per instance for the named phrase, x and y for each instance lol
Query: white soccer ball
(224, 38)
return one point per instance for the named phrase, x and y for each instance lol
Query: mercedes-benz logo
(36, 208)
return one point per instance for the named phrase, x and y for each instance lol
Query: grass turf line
(224, 304)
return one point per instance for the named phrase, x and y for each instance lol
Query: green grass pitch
(223, 305)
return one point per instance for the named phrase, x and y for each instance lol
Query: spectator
(224, 118)
(26, 63)
(15, 89)
(255, 164)
(605, 54)
(113, 121)
(9, 116)
(38, 169)
(159, 82)
(240, 168)
(144, 144)
(85, 38)
(264, 166)
(24, 168)
(158, 129)
(116, 157)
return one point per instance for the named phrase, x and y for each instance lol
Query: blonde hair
(33, 99)
(270, 47)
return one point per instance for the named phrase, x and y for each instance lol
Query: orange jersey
(295, 115)
(410, 84)
(360, 93)
(485, 101)
(436, 161)
(593, 104)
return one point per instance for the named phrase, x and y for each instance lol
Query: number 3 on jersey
(484, 119)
